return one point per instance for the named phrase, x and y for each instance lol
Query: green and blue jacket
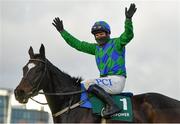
(110, 58)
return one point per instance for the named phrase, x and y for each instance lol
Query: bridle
(35, 91)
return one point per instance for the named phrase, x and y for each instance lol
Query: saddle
(123, 101)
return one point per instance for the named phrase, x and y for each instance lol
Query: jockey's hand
(130, 12)
(58, 24)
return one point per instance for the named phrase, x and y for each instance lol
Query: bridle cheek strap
(35, 90)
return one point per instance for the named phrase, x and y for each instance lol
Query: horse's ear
(42, 51)
(31, 52)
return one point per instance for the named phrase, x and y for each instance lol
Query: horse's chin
(23, 101)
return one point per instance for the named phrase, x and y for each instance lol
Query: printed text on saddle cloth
(111, 84)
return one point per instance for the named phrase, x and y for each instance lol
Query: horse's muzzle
(21, 96)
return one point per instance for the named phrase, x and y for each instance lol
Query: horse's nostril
(19, 93)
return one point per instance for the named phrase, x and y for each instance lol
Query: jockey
(110, 58)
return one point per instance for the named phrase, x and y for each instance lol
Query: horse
(62, 93)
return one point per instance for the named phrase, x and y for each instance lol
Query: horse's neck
(58, 81)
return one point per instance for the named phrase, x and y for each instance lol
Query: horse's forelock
(37, 56)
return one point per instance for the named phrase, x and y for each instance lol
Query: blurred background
(152, 57)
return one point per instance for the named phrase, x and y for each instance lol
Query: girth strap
(68, 108)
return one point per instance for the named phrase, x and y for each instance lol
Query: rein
(63, 94)
(57, 94)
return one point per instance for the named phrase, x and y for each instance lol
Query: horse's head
(33, 74)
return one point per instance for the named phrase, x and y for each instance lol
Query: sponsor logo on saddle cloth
(123, 100)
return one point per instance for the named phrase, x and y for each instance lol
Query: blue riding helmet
(100, 26)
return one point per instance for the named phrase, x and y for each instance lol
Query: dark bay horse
(62, 91)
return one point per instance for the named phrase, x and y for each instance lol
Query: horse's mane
(61, 74)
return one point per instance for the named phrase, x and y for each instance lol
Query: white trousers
(111, 84)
